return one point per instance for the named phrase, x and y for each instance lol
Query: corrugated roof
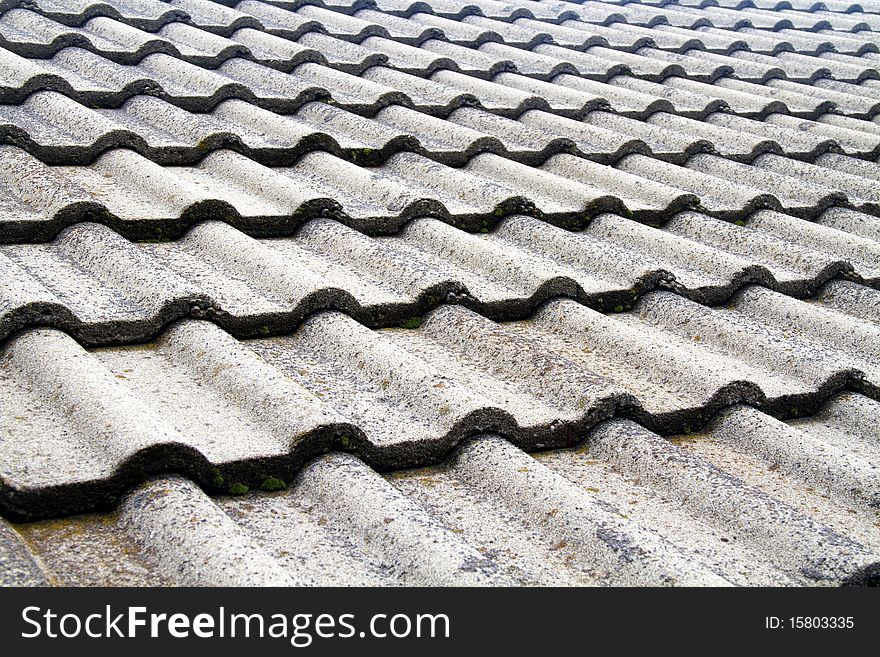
(752, 501)
(641, 238)
(104, 289)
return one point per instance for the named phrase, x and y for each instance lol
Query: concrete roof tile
(485, 495)
(149, 15)
(504, 275)
(170, 135)
(737, 356)
(440, 231)
(216, 17)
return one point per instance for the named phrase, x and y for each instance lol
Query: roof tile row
(143, 200)
(95, 81)
(57, 130)
(103, 289)
(93, 422)
(524, 125)
(627, 508)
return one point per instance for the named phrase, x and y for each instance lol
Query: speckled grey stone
(18, 565)
(182, 531)
(100, 419)
(779, 532)
(149, 15)
(602, 514)
(840, 458)
(462, 170)
(249, 286)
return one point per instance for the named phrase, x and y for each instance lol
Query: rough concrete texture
(296, 245)
(137, 90)
(143, 200)
(102, 289)
(98, 421)
(58, 130)
(628, 507)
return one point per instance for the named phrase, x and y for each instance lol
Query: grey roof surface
(143, 200)
(752, 501)
(96, 420)
(102, 289)
(168, 135)
(606, 273)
